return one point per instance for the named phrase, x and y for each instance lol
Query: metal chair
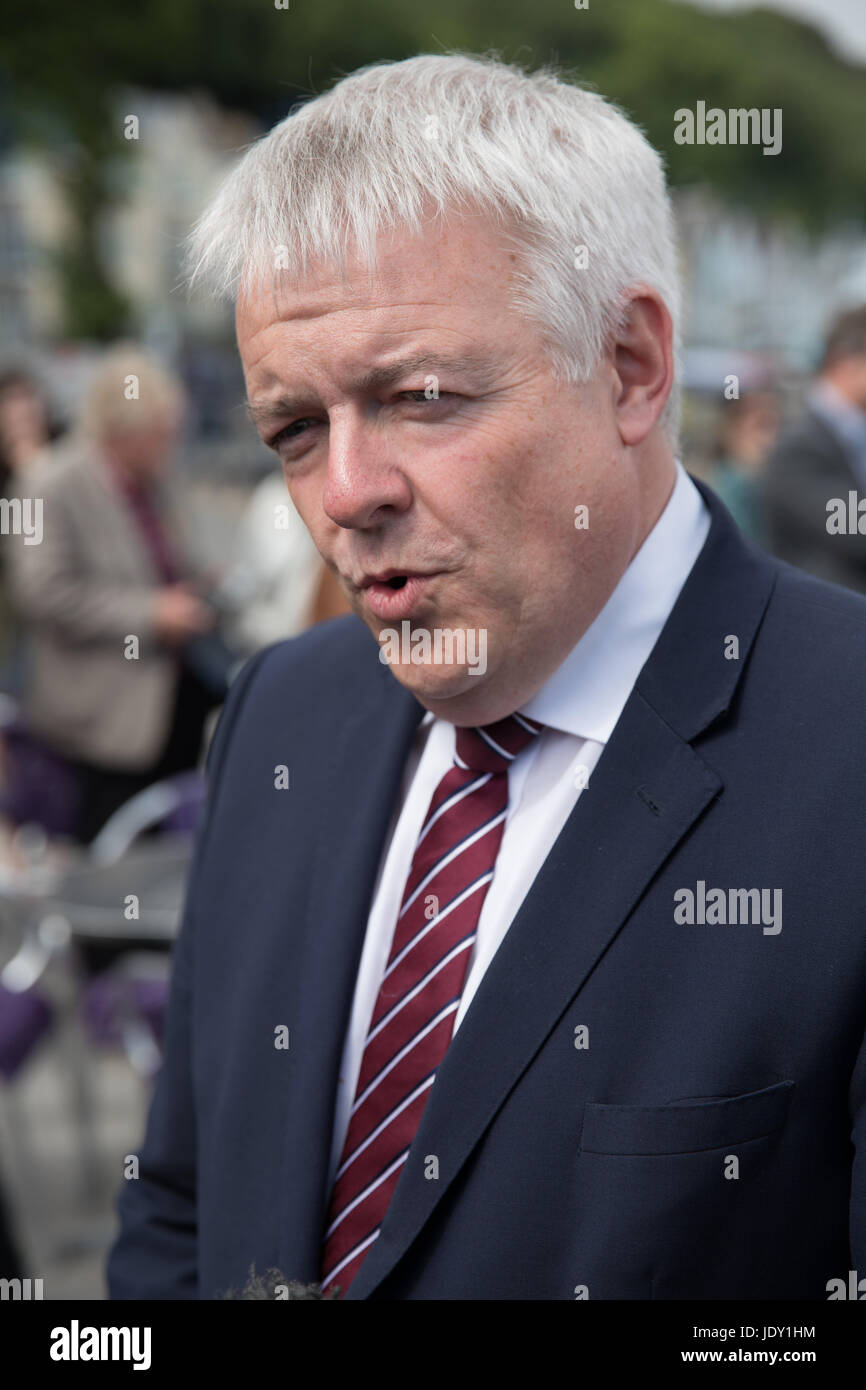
(55, 904)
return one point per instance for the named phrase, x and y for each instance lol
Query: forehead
(456, 280)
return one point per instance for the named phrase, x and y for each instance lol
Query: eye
(288, 432)
(420, 396)
(298, 428)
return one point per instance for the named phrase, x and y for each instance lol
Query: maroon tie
(413, 1019)
(149, 522)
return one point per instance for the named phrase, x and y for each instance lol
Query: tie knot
(493, 747)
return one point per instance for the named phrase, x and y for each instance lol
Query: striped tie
(413, 1020)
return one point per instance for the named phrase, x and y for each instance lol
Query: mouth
(393, 578)
(394, 593)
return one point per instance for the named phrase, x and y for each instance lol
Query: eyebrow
(265, 412)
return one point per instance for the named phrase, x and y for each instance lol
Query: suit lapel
(646, 792)
(648, 789)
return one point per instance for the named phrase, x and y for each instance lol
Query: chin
(432, 684)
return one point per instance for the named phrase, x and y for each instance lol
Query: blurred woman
(116, 601)
(27, 428)
(750, 425)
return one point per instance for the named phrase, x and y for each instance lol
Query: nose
(365, 480)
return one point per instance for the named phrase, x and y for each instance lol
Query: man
(456, 1012)
(822, 461)
(109, 594)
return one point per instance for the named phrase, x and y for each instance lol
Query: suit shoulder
(808, 441)
(825, 618)
(337, 659)
(61, 468)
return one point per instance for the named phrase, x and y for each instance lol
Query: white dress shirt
(579, 705)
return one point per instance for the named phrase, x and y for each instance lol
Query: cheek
(306, 499)
(487, 493)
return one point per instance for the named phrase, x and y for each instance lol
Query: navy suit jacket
(708, 1142)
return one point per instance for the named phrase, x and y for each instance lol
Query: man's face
(471, 494)
(858, 380)
(144, 453)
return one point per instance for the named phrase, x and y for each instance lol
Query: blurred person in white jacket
(278, 584)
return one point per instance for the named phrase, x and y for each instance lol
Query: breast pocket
(685, 1200)
(687, 1126)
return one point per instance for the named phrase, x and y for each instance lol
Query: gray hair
(556, 167)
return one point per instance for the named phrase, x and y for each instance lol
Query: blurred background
(166, 527)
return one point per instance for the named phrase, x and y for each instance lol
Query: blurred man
(485, 989)
(111, 596)
(821, 461)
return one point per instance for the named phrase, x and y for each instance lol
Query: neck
(656, 481)
(119, 470)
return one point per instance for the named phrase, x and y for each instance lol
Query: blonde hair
(130, 391)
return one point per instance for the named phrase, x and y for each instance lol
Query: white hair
(556, 167)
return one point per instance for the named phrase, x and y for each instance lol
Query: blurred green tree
(59, 68)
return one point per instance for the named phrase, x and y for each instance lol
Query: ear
(643, 361)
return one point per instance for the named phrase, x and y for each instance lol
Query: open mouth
(398, 595)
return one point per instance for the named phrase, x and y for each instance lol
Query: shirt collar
(588, 691)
